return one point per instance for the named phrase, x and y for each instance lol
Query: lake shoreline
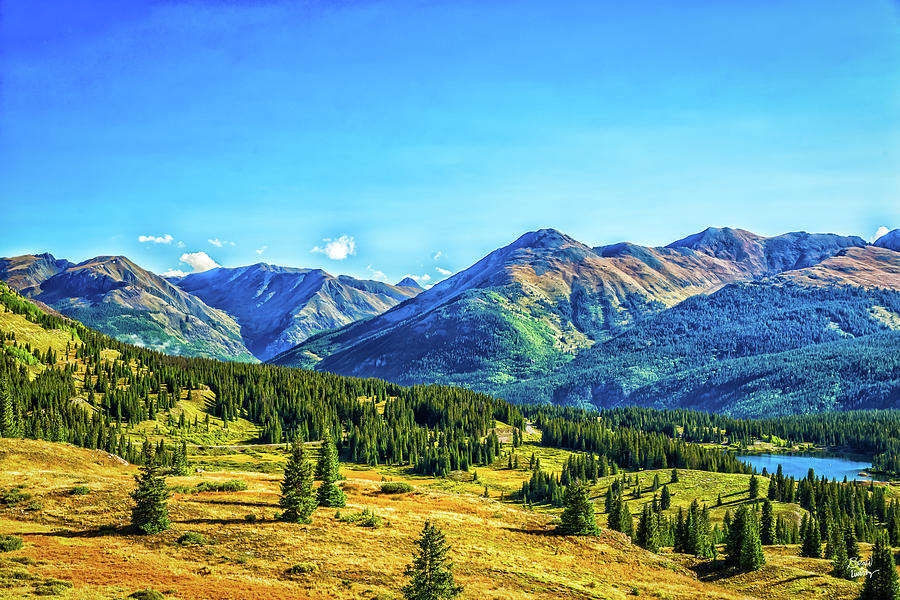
(831, 465)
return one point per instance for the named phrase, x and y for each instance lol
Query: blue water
(832, 467)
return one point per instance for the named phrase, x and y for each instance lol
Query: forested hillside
(93, 391)
(748, 349)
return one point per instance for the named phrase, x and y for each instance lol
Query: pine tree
(751, 548)
(150, 513)
(626, 522)
(850, 542)
(327, 470)
(619, 517)
(431, 572)
(297, 498)
(881, 581)
(812, 540)
(578, 516)
(7, 415)
(754, 487)
(674, 476)
(840, 562)
(767, 527)
(735, 541)
(834, 539)
(665, 498)
(179, 461)
(647, 535)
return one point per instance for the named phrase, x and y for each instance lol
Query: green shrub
(364, 518)
(8, 543)
(34, 505)
(22, 560)
(14, 496)
(51, 587)
(302, 568)
(147, 594)
(396, 487)
(192, 538)
(231, 485)
(250, 518)
(80, 490)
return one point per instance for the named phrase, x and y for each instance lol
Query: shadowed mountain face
(890, 240)
(116, 296)
(27, 273)
(279, 307)
(524, 311)
(767, 256)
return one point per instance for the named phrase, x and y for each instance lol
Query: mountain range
(719, 320)
(246, 314)
(549, 319)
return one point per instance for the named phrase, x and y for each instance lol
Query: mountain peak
(409, 282)
(890, 240)
(544, 238)
(712, 237)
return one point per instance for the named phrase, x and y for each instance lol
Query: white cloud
(418, 278)
(161, 239)
(337, 249)
(165, 347)
(219, 243)
(443, 272)
(199, 261)
(174, 273)
(881, 231)
(180, 244)
(261, 250)
(438, 254)
(376, 274)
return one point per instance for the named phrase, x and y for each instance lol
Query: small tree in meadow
(150, 513)
(431, 572)
(297, 497)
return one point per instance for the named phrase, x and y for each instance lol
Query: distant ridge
(247, 313)
(279, 307)
(118, 297)
(890, 240)
(409, 282)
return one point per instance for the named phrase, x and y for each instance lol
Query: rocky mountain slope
(513, 322)
(279, 307)
(246, 314)
(116, 296)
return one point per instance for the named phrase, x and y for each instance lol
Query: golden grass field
(78, 546)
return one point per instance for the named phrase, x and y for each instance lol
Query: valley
(474, 477)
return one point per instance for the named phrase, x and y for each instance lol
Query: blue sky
(417, 128)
